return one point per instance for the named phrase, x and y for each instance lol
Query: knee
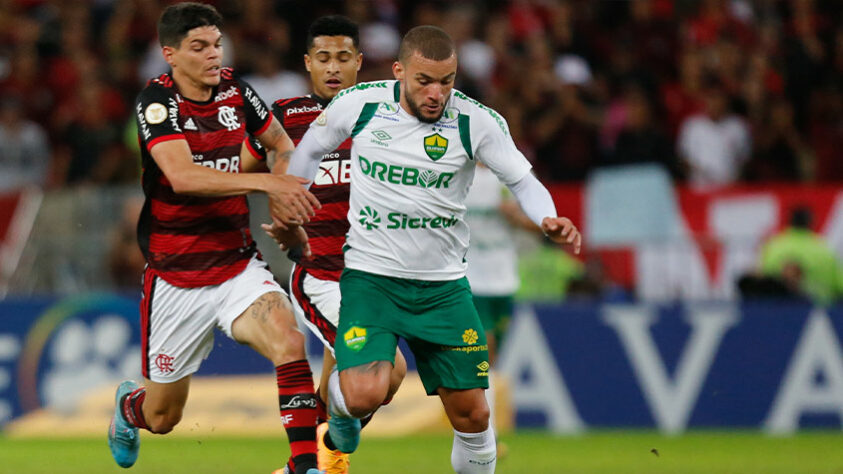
(363, 400)
(163, 422)
(474, 418)
(286, 342)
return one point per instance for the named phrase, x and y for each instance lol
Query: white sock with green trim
(474, 453)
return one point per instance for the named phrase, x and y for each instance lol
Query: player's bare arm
(279, 147)
(289, 201)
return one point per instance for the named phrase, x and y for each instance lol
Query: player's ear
(398, 70)
(307, 62)
(167, 52)
(359, 61)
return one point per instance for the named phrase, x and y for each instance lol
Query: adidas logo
(189, 125)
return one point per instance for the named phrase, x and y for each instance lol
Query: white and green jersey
(409, 179)
(492, 259)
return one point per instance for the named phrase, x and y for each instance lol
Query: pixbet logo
(304, 109)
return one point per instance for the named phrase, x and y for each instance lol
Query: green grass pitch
(528, 452)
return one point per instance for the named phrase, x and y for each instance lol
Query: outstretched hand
(290, 204)
(562, 231)
(288, 237)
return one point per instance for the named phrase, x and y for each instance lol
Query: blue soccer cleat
(345, 432)
(314, 471)
(123, 438)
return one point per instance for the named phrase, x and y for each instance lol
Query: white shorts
(316, 303)
(177, 324)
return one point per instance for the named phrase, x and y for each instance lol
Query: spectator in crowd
(715, 144)
(802, 259)
(24, 149)
(640, 141)
(558, 70)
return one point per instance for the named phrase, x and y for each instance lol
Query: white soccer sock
(474, 453)
(335, 399)
(490, 399)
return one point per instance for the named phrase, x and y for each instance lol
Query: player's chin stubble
(416, 110)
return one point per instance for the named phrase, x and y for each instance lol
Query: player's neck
(190, 89)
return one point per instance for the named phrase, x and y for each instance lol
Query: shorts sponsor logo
(465, 349)
(369, 218)
(355, 338)
(298, 401)
(435, 146)
(484, 369)
(405, 176)
(164, 363)
(469, 336)
(155, 113)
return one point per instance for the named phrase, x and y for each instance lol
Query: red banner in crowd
(722, 233)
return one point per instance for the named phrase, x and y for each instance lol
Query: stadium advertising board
(775, 366)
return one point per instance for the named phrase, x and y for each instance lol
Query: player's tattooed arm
(279, 147)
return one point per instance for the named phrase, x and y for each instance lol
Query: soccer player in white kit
(415, 143)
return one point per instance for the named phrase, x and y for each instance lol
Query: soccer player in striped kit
(333, 60)
(203, 268)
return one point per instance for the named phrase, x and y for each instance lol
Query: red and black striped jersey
(326, 230)
(193, 241)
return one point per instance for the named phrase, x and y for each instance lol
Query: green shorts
(436, 318)
(495, 313)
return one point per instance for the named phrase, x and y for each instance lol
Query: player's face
(426, 85)
(333, 63)
(199, 56)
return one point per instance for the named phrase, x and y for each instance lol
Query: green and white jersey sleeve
(409, 179)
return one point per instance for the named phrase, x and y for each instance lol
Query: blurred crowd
(717, 91)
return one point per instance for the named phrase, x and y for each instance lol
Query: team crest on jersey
(435, 146)
(355, 338)
(155, 113)
(228, 118)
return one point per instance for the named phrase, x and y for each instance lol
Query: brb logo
(228, 118)
(164, 363)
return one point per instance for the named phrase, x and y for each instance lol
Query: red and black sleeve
(157, 116)
(257, 113)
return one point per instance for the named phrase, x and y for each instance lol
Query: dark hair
(178, 19)
(801, 217)
(333, 25)
(430, 41)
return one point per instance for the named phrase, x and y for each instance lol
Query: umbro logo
(189, 125)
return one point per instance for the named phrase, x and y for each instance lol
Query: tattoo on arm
(270, 140)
